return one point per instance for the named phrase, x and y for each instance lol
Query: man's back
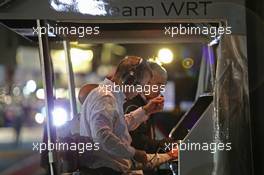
(102, 121)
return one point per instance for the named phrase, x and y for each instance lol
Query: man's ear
(85, 90)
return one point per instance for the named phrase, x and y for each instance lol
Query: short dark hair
(131, 62)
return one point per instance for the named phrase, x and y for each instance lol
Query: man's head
(132, 71)
(159, 78)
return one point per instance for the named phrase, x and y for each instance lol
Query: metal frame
(71, 83)
(48, 84)
(46, 69)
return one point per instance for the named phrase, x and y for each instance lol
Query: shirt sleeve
(155, 160)
(135, 118)
(102, 124)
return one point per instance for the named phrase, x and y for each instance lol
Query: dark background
(255, 42)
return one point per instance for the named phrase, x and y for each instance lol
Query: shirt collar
(120, 95)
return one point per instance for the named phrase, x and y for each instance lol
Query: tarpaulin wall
(231, 108)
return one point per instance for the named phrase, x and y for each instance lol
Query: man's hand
(154, 105)
(141, 156)
(174, 153)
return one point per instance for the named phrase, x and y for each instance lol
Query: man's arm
(155, 160)
(136, 117)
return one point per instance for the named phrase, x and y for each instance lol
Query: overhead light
(165, 56)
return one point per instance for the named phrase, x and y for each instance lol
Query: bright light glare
(155, 61)
(16, 91)
(165, 56)
(68, 2)
(40, 94)
(187, 63)
(31, 86)
(43, 111)
(39, 118)
(90, 7)
(26, 92)
(61, 93)
(8, 99)
(79, 56)
(59, 116)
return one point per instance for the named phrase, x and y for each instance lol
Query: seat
(69, 160)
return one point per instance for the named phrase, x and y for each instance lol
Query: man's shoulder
(100, 93)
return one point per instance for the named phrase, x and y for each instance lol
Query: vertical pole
(71, 83)
(46, 68)
(211, 63)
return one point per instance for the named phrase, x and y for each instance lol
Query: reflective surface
(89, 7)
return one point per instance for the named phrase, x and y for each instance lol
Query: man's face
(158, 81)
